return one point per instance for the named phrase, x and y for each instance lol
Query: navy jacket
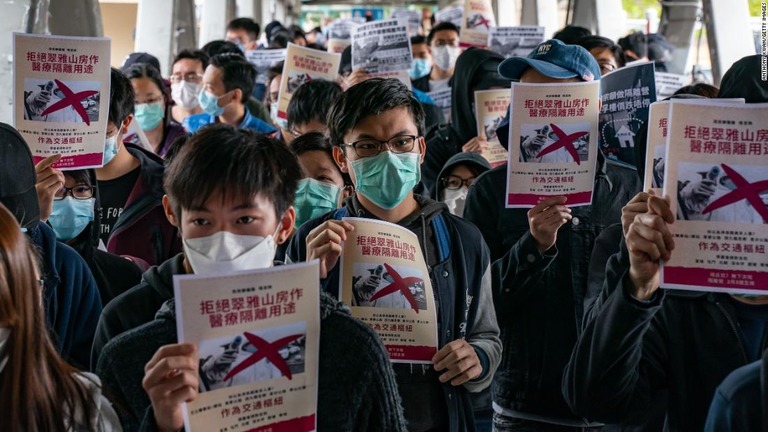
(461, 281)
(539, 297)
(70, 296)
(683, 343)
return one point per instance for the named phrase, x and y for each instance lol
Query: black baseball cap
(17, 178)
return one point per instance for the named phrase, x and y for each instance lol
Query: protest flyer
(717, 181)
(476, 23)
(490, 109)
(515, 41)
(552, 143)
(258, 338)
(304, 65)
(340, 35)
(442, 99)
(451, 14)
(381, 46)
(656, 147)
(385, 281)
(61, 97)
(627, 95)
(668, 83)
(409, 18)
(262, 60)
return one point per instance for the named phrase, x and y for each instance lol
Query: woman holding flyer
(38, 390)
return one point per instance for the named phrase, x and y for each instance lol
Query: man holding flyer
(377, 129)
(541, 259)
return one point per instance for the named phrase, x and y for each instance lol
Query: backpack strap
(339, 214)
(442, 236)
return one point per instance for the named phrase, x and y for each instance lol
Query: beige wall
(119, 21)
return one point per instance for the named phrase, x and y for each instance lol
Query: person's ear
(340, 159)
(238, 93)
(124, 125)
(169, 213)
(286, 226)
(422, 149)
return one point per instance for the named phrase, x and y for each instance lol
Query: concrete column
(15, 19)
(728, 35)
(543, 13)
(185, 26)
(603, 17)
(215, 16)
(74, 17)
(155, 31)
(677, 24)
(507, 13)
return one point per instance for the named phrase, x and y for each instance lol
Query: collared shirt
(195, 122)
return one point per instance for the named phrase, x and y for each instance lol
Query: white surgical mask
(445, 56)
(185, 93)
(5, 334)
(225, 252)
(455, 199)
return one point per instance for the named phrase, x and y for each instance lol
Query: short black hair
(418, 39)
(316, 141)
(217, 47)
(231, 162)
(280, 39)
(120, 97)
(237, 73)
(701, 89)
(198, 55)
(249, 25)
(311, 102)
(570, 34)
(371, 97)
(637, 42)
(444, 25)
(146, 70)
(594, 41)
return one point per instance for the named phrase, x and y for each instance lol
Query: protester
(309, 106)
(298, 36)
(728, 328)
(422, 59)
(187, 83)
(701, 89)
(635, 46)
(130, 188)
(151, 108)
(571, 34)
(227, 86)
(459, 173)
(217, 171)
(69, 294)
(243, 32)
(73, 219)
(738, 404)
(476, 69)
(541, 256)
(443, 41)
(609, 55)
(377, 130)
(38, 390)
(137, 58)
(659, 51)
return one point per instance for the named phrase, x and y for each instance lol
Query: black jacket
(475, 69)
(539, 297)
(683, 343)
(138, 305)
(356, 385)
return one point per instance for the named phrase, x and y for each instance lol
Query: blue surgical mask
(70, 217)
(110, 149)
(149, 115)
(210, 103)
(419, 68)
(314, 198)
(387, 178)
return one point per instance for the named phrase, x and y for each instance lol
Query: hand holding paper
(459, 361)
(649, 241)
(49, 181)
(545, 219)
(477, 144)
(170, 379)
(324, 243)
(637, 205)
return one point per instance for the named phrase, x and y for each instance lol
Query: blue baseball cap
(554, 59)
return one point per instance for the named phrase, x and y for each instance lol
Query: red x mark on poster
(744, 190)
(399, 284)
(266, 350)
(484, 21)
(563, 141)
(71, 99)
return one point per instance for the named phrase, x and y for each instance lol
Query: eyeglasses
(454, 182)
(192, 77)
(297, 133)
(370, 147)
(79, 191)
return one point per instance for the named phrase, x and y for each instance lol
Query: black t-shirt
(113, 195)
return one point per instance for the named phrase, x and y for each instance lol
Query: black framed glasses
(371, 147)
(79, 191)
(455, 182)
(192, 77)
